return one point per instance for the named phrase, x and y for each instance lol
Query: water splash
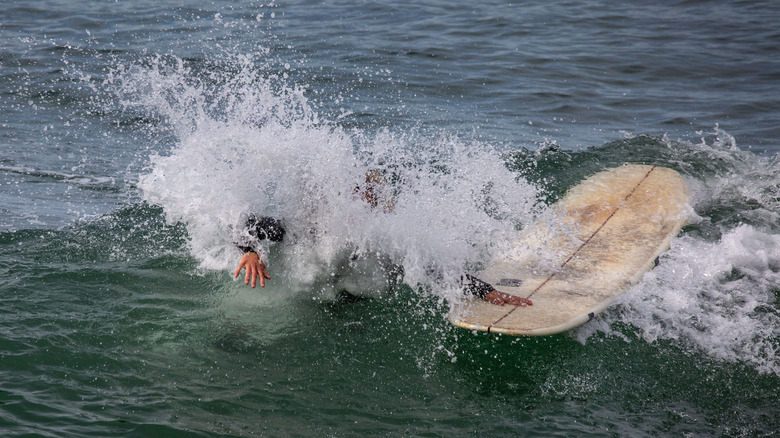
(249, 142)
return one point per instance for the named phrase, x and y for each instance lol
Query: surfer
(259, 228)
(255, 260)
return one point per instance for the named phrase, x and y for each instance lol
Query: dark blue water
(133, 135)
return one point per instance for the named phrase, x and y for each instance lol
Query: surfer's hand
(254, 269)
(501, 298)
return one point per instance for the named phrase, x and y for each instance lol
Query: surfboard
(597, 241)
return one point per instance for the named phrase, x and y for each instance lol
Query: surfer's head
(264, 227)
(375, 192)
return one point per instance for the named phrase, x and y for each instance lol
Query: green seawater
(108, 327)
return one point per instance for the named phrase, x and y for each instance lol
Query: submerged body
(257, 229)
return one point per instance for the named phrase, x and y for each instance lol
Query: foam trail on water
(717, 296)
(716, 289)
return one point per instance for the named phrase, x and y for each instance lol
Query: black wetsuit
(475, 286)
(257, 228)
(261, 228)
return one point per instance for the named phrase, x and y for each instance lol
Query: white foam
(255, 144)
(718, 297)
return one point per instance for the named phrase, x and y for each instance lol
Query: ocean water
(134, 136)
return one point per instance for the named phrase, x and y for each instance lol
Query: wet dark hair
(264, 227)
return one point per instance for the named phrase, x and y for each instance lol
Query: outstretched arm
(487, 292)
(501, 298)
(255, 269)
(248, 239)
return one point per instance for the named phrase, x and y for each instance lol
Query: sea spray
(249, 143)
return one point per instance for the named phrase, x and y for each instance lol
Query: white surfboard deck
(605, 234)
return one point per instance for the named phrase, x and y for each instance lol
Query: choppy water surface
(135, 135)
